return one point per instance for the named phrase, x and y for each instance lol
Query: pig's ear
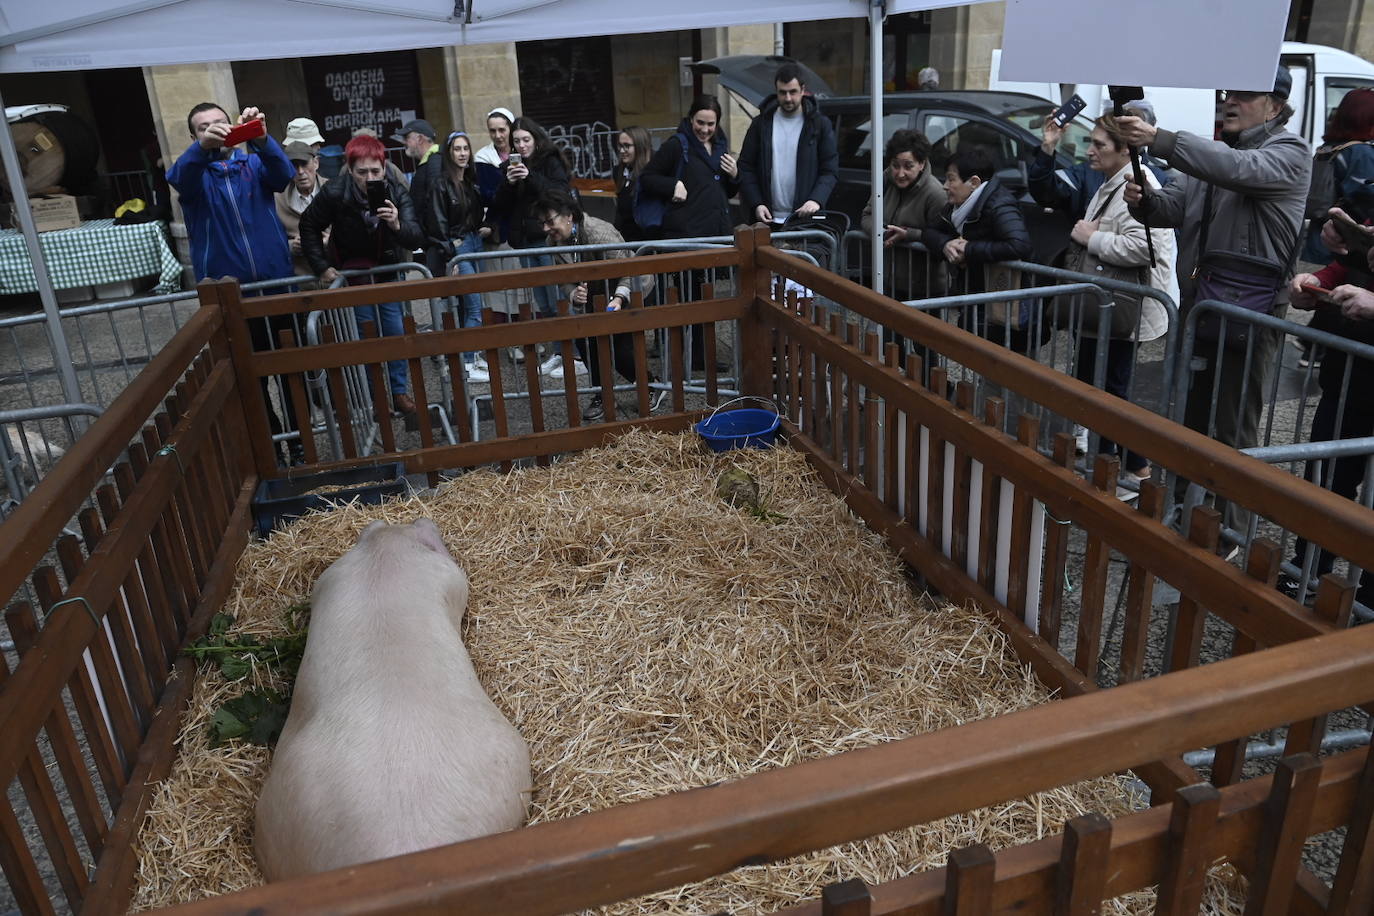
(428, 533)
(371, 527)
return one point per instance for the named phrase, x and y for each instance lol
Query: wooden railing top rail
(1319, 515)
(286, 303)
(1139, 849)
(29, 531)
(664, 842)
(1257, 610)
(37, 682)
(493, 336)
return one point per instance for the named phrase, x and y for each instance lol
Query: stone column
(739, 39)
(480, 78)
(173, 90)
(984, 35)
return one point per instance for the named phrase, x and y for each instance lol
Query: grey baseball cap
(419, 126)
(298, 150)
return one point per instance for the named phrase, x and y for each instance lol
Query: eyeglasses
(1236, 95)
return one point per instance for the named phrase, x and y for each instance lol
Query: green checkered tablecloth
(96, 252)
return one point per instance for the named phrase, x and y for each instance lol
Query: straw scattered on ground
(645, 636)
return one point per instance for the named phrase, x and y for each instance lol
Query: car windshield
(1076, 135)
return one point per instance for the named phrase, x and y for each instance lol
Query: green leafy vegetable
(258, 715)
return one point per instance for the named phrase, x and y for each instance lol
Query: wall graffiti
(591, 147)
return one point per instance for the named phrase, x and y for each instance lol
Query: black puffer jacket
(995, 230)
(706, 211)
(339, 207)
(818, 160)
(449, 213)
(514, 202)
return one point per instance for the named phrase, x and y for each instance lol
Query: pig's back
(337, 797)
(386, 751)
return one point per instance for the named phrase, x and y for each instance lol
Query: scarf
(964, 210)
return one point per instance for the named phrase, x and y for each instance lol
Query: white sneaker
(550, 364)
(517, 355)
(1080, 439)
(480, 363)
(475, 374)
(557, 371)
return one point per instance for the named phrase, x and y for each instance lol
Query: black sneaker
(1291, 586)
(593, 411)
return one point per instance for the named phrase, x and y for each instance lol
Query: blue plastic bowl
(746, 427)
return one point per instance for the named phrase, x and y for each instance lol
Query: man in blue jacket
(789, 163)
(228, 196)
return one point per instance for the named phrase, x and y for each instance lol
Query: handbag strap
(1103, 209)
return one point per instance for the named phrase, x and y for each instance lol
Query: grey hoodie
(1260, 185)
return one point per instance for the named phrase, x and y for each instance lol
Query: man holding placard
(1238, 205)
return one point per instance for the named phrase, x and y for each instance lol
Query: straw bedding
(645, 636)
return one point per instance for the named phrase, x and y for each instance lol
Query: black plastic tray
(279, 501)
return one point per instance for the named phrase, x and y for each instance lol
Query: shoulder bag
(1246, 280)
(1125, 305)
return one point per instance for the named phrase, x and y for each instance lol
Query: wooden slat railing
(155, 558)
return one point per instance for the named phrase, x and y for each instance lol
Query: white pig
(391, 746)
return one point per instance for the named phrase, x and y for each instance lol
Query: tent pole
(876, 11)
(57, 340)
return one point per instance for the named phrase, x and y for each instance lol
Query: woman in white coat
(1114, 237)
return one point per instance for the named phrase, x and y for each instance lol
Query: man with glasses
(1249, 189)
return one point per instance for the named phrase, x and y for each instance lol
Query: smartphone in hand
(1069, 110)
(1357, 238)
(376, 195)
(248, 130)
(1320, 293)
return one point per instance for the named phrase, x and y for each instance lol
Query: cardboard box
(57, 211)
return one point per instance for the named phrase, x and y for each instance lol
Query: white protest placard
(1221, 44)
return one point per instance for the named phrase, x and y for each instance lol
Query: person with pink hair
(362, 236)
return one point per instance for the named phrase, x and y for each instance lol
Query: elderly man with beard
(1248, 190)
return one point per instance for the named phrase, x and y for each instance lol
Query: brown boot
(403, 403)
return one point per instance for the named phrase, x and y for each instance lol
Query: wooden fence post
(754, 350)
(250, 392)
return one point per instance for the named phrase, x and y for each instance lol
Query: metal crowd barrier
(25, 454)
(135, 328)
(357, 388)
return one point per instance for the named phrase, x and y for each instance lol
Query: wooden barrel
(56, 149)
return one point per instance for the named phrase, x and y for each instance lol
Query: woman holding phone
(694, 171)
(371, 221)
(912, 199)
(533, 168)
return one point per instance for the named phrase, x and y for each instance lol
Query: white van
(1321, 78)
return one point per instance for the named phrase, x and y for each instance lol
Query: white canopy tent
(91, 34)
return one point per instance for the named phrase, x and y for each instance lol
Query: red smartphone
(1320, 293)
(248, 130)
